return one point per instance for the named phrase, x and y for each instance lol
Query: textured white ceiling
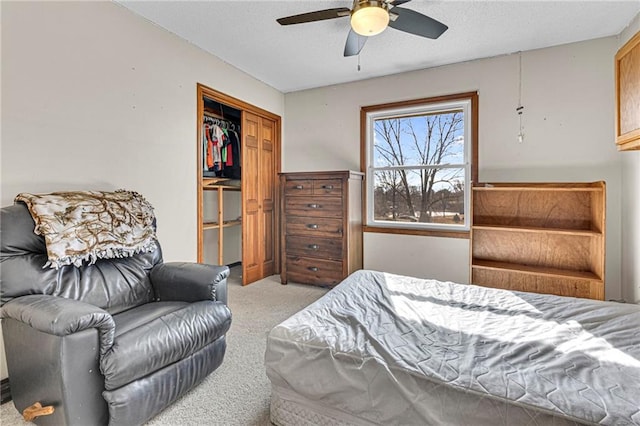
(246, 34)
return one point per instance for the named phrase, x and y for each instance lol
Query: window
(420, 159)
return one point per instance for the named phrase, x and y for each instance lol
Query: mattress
(394, 350)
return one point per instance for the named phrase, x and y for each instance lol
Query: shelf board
(538, 230)
(213, 180)
(215, 187)
(533, 270)
(225, 224)
(210, 183)
(538, 187)
(228, 223)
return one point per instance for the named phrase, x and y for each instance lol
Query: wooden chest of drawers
(321, 226)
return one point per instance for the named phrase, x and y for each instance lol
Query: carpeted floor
(237, 393)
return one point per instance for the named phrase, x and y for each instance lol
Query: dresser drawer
(313, 226)
(326, 248)
(298, 187)
(314, 206)
(306, 270)
(327, 187)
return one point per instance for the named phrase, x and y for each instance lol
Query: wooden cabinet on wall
(627, 75)
(321, 226)
(544, 238)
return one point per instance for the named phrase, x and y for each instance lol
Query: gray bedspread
(390, 349)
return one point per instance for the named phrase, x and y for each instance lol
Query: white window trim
(465, 105)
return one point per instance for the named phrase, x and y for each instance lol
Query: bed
(387, 349)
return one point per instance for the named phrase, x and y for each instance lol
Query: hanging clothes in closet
(221, 148)
(232, 168)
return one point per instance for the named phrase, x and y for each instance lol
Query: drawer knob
(327, 186)
(312, 226)
(313, 246)
(314, 206)
(313, 268)
(298, 187)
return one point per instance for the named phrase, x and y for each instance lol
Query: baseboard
(5, 391)
(231, 265)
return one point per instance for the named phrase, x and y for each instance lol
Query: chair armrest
(190, 282)
(61, 317)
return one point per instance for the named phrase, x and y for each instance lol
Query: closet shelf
(215, 187)
(226, 224)
(533, 270)
(213, 180)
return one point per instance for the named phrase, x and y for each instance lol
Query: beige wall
(568, 99)
(630, 205)
(95, 97)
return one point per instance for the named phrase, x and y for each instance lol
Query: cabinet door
(258, 191)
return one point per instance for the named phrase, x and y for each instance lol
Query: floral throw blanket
(89, 225)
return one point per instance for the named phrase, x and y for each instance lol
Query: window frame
(408, 108)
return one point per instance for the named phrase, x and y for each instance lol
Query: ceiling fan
(371, 17)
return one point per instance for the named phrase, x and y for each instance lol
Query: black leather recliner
(110, 343)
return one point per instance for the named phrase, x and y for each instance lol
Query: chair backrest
(111, 284)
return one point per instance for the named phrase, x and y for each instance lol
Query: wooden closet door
(258, 219)
(267, 195)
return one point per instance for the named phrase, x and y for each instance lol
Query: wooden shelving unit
(216, 184)
(539, 237)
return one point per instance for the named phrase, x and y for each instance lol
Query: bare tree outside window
(419, 169)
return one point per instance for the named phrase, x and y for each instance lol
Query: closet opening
(238, 157)
(221, 183)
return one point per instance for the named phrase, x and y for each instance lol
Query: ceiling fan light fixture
(369, 18)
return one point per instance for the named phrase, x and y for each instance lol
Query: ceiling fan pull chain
(358, 61)
(520, 108)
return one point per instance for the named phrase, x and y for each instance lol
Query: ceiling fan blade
(355, 43)
(398, 2)
(416, 23)
(318, 15)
